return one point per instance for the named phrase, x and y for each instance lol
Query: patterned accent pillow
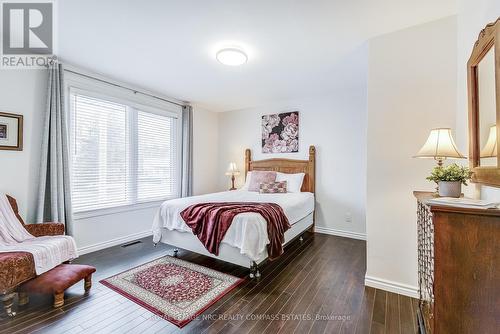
(259, 177)
(273, 187)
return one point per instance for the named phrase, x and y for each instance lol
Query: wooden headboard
(289, 166)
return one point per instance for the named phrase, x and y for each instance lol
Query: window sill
(118, 209)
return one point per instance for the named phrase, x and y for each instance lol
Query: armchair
(37, 230)
(19, 267)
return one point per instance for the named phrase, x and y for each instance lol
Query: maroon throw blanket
(210, 222)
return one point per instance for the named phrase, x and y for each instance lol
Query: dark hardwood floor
(317, 286)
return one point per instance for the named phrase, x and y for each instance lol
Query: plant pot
(450, 188)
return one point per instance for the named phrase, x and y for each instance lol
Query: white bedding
(248, 231)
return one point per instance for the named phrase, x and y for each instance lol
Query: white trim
(96, 89)
(113, 242)
(340, 233)
(117, 209)
(391, 286)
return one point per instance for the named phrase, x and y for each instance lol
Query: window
(155, 156)
(122, 153)
(101, 161)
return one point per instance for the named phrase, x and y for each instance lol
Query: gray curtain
(187, 152)
(54, 195)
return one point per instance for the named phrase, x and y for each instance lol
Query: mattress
(248, 232)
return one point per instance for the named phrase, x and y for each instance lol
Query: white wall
(473, 16)
(205, 151)
(23, 92)
(336, 125)
(411, 89)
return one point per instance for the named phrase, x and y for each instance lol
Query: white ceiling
(296, 48)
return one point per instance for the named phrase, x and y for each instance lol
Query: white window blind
(156, 156)
(120, 155)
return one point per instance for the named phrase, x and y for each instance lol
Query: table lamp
(232, 171)
(439, 146)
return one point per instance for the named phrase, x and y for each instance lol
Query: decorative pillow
(273, 187)
(258, 177)
(294, 181)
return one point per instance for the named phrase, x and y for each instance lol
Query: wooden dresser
(459, 269)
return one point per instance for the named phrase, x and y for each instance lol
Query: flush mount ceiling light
(231, 56)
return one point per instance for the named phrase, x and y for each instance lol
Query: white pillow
(247, 181)
(293, 181)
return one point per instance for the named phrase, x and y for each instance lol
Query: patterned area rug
(174, 289)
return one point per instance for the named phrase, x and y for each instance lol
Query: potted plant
(450, 179)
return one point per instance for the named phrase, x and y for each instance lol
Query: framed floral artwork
(11, 132)
(280, 133)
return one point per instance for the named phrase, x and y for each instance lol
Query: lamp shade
(232, 169)
(439, 145)
(490, 149)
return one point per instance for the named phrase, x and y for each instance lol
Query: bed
(245, 241)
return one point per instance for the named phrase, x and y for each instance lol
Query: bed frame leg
(301, 238)
(254, 270)
(176, 251)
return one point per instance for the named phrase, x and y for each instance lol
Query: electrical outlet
(348, 217)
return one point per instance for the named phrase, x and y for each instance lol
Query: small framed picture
(11, 132)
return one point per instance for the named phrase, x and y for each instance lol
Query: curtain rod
(120, 86)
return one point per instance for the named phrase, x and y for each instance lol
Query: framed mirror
(484, 106)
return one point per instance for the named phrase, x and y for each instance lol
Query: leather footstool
(56, 281)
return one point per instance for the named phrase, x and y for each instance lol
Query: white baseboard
(391, 286)
(113, 242)
(340, 233)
